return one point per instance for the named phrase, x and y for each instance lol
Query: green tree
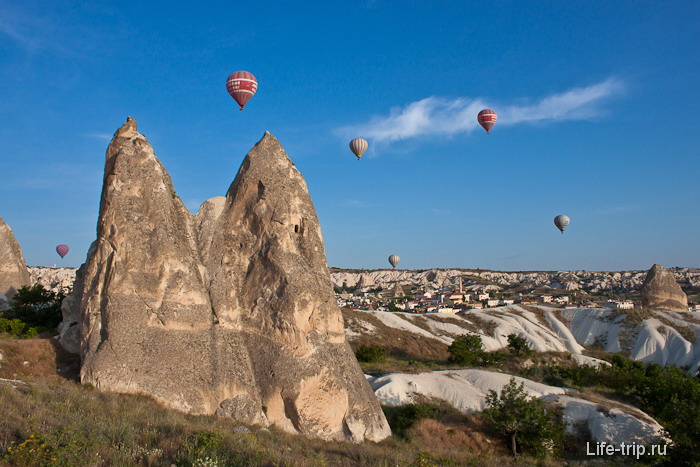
(467, 349)
(36, 308)
(524, 421)
(370, 353)
(518, 345)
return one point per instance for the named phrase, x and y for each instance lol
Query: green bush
(34, 310)
(370, 354)
(402, 418)
(17, 328)
(518, 345)
(524, 421)
(669, 394)
(468, 349)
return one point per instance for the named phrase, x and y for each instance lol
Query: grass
(402, 345)
(54, 420)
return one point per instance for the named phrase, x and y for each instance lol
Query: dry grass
(539, 313)
(402, 345)
(686, 331)
(485, 326)
(463, 322)
(37, 358)
(78, 425)
(605, 403)
(452, 434)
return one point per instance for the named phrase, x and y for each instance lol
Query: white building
(620, 304)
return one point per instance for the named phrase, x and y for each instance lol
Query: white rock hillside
(587, 281)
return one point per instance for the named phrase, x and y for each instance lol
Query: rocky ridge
(585, 281)
(661, 291)
(229, 312)
(13, 268)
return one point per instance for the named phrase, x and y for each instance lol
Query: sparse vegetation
(669, 394)
(54, 421)
(524, 421)
(370, 354)
(518, 345)
(402, 418)
(34, 310)
(468, 350)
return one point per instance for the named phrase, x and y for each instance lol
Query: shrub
(518, 345)
(36, 307)
(524, 421)
(17, 328)
(467, 349)
(370, 354)
(402, 418)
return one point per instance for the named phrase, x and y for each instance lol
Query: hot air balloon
(486, 119)
(62, 250)
(242, 86)
(561, 221)
(394, 260)
(358, 146)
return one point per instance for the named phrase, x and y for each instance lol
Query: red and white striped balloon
(486, 119)
(62, 250)
(242, 86)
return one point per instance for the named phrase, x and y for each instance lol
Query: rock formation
(13, 270)
(660, 291)
(396, 290)
(53, 279)
(229, 312)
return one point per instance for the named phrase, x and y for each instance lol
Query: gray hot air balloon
(394, 260)
(561, 221)
(358, 146)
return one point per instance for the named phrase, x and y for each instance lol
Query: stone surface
(660, 291)
(53, 279)
(229, 312)
(397, 291)
(13, 269)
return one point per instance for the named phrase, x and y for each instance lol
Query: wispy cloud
(46, 28)
(350, 203)
(27, 30)
(436, 116)
(101, 136)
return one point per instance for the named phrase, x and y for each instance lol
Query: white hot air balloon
(394, 260)
(561, 221)
(358, 146)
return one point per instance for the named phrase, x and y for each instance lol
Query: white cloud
(102, 136)
(435, 116)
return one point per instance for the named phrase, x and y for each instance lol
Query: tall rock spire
(13, 270)
(229, 312)
(660, 291)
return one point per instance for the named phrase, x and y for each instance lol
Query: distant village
(453, 299)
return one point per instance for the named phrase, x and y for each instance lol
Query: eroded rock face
(13, 270)
(269, 284)
(660, 291)
(229, 312)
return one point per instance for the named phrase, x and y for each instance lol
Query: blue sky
(598, 101)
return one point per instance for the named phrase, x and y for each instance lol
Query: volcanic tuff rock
(229, 312)
(13, 270)
(661, 291)
(53, 279)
